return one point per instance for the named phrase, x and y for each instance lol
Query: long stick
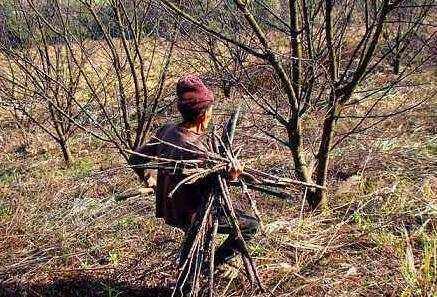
(233, 220)
(212, 255)
(230, 127)
(187, 269)
(192, 178)
(280, 180)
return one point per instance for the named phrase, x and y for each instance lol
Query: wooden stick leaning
(192, 257)
(211, 251)
(226, 149)
(249, 265)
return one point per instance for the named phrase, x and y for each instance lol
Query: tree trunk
(397, 64)
(296, 52)
(66, 154)
(317, 195)
(300, 166)
(320, 173)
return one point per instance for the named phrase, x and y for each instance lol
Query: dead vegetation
(65, 232)
(84, 229)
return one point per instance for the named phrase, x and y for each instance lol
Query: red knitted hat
(193, 97)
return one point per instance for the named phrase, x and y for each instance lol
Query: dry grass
(63, 232)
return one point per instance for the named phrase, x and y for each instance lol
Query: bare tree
(40, 83)
(403, 33)
(318, 60)
(125, 71)
(112, 87)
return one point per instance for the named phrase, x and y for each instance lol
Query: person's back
(179, 209)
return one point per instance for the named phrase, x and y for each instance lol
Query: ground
(71, 231)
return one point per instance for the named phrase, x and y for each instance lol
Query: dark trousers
(249, 226)
(228, 249)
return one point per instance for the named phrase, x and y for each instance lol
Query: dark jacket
(179, 209)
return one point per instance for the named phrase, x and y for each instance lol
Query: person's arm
(136, 161)
(233, 170)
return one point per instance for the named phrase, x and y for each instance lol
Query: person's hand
(150, 179)
(234, 170)
(151, 182)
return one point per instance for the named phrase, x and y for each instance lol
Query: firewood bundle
(197, 252)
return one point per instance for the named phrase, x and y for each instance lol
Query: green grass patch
(387, 145)
(7, 176)
(80, 168)
(368, 185)
(127, 223)
(114, 257)
(385, 238)
(431, 146)
(258, 250)
(363, 221)
(5, 211)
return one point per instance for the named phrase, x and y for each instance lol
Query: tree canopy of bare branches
(295, 58)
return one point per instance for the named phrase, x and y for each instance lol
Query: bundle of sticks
(197, 252)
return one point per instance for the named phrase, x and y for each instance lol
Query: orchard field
(75, 220)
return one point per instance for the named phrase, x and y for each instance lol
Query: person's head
(194, 101)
